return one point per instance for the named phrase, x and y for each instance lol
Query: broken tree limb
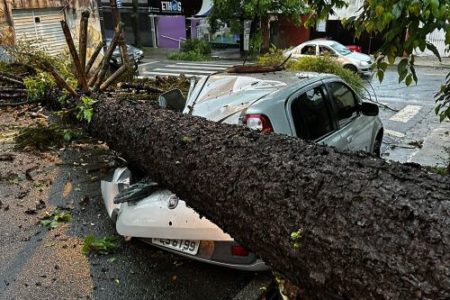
(84, 22)
(349, 226)
(116, 75)
(9, 95)
(94, 57)
(139, 87)
(7, 78)
(12, 76)
(13, 104)
(60, 81)
(103, 68)
(116, 18)
(81, 77)
(254, 69)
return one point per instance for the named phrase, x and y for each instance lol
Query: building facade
(37, 22)
(152, 23)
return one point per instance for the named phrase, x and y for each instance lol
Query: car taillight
(238, 250)
(258, 122)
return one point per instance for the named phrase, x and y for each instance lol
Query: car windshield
(341, 49)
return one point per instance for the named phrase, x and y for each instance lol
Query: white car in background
(357, 62)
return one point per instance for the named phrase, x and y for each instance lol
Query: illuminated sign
(166, 7)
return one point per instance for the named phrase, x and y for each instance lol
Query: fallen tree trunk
(364, 228)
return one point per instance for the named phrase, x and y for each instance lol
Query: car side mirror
(369, 109)
(173, 100)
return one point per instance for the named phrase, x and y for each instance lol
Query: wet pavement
(410, 122)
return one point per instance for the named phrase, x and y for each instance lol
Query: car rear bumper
(215, 253)
(153, 217)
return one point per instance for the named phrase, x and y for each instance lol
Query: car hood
(358, 56)
(221, 98)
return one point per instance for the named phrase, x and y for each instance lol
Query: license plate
(185, 246)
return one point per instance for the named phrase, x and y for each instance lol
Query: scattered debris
(31, 211)
(7, 157)
(52, 220)
(40, 137)
(28, 173)
(40, 204)
(105, 245)
(417, 144)
(84, 201)
(67, 189)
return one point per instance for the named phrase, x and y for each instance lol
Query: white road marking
(183, 71)
(149, 63)
(394, 133)
(211, 65)
(433, 74)
(406, 114)
(196, 67)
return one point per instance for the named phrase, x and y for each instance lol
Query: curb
(255, 288)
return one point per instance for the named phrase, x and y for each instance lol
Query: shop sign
(166, 7)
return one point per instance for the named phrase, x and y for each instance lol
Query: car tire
(351, 68)
(377, 145)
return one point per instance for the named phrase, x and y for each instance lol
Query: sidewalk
(430, 61)
(234, 54)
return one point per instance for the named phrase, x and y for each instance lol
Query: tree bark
(367, 229)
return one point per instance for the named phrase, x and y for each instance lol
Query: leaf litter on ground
(53, 219)
(100, 245)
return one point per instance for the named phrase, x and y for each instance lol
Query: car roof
(224, 94)
(324, 42)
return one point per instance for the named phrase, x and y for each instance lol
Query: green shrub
(193, 50)
(200, 46)
(39, 86)
(324, 64)
(273, 58)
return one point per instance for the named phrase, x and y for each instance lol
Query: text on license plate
(185, 246)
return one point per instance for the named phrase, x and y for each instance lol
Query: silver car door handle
(350, 138)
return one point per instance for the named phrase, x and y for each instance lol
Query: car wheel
(377, 145)
(351, 68)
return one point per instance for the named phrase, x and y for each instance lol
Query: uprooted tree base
(336, 224)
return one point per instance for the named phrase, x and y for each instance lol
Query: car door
(310, 115)
(309, 49)
(355, 128)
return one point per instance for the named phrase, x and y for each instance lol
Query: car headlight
(364, 64)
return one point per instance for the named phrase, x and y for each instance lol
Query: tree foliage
(404, 26)
(234, 11)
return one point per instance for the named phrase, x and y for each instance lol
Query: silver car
(316, 107)
(357, 62)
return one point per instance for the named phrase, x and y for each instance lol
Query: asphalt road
(413, 120)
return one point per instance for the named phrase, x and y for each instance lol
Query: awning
(205, 9)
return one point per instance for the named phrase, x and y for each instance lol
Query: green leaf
(413, 72)
(402, 75)
(408, 80)
(383, 65)
(380, 75)
(105, 245)
(391, 58)
(433, 49)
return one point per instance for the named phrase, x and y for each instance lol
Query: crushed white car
(317, 107)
